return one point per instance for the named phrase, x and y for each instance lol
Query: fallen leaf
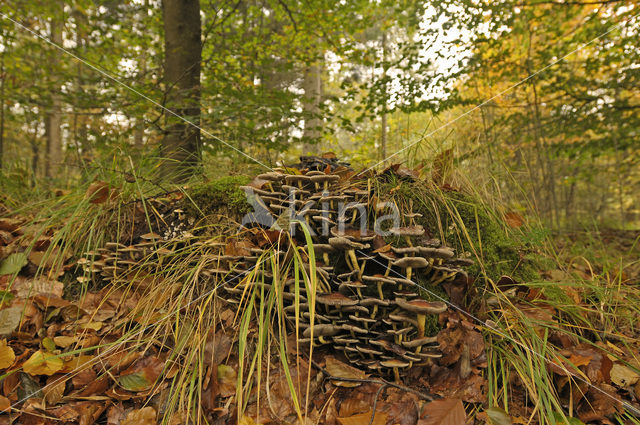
(43, 363)
(28, 287)
(54, 390)
(364, 419)
(97, 192)
(10, 319)
(227, 380)
(246, 420)
(623, 376)
(513, 220)
(445, 411)
(5, 404)
(64, 341)
(339, 369)
(13, 263)
(497, 416)
(7, 356)
(442, 167)
(144, 416)
(142, 375)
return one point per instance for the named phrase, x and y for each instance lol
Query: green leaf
(13, 263)
(566, 420)
(6, 297)
(134, 382)
(497, 416)
(48, 344)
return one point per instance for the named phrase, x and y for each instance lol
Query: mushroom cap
(321, 218)
(352, 233)
(407, 231)
(442, 252)
(460, 262)
(409, 250)
(292, 178)
(271, 176)
(402, 318)
(322, 330)
(419, 342)
(151, 236)
(420, 306)
(366, 350)
(336, 299)
(389, 256)
(346, 244)
(348, 275)
(413, 262)
(394, 363)
(362, 319)
(402, 281)
(344, 339)
(406, 294)
(321, 248)
(377, 278)
(321, 178)
(129, 248)
(368, 302)
(356, 309)
(255, 190)
(354, 328)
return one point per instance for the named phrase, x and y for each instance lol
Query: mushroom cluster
(367, 305)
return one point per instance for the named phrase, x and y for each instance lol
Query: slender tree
(53, 119)
(181, 146)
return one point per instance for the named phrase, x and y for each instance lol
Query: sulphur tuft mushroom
(410, 263)
(349, 246)
(421, 308)
(408, 232)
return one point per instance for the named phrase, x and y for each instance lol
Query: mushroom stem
(396, 374)
(444, 277)
(325, 258)
(409, 270)
(351, 255)
(422, 320)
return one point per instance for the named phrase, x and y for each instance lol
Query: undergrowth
(179, 312)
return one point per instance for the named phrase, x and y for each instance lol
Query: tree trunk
(312, 85)
(2, 107)
(53, 119)
(183, 53)
(383, 120)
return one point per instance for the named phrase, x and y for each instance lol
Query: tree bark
(383, 119)
(2, 106)
(312, 85)
(181, 145)
(53, 118)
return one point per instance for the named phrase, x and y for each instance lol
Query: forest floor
(556, 345)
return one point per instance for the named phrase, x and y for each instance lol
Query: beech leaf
(497, 416)
(364, 419)
(7, 356)
(43, 363)
(13, 263)
(446, 411)
(341, 370)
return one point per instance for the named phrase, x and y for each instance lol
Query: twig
(330, 377)
(375, 403)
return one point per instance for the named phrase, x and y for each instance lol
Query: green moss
(467, 225)
(219, 196)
